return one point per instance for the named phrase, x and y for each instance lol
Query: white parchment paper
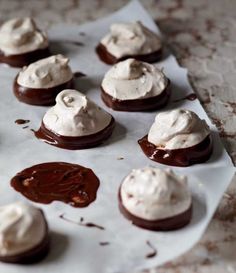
(76, 248)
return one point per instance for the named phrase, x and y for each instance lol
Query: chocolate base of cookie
(178, 157)
(40, 96)
(33, 255)
(24, 59)
(166, 224)
(108, 58)
(146, 104)
(75, 143)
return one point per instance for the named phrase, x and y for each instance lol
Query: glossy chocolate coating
(75, 143)
(146, 104)
(172, 223)
(178, 157)
(57, 181)
(108, 58)
(40, 96)
(24, 59)
(33, 255)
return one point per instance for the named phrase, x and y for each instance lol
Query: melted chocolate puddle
(104, 243)
(154, 251)
(57, 181)
(81, 223)
(79, 74)
(190, 97)
(22, 121)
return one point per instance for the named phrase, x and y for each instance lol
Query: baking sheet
(76, 248)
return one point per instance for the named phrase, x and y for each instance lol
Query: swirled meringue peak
(46, 73)
(152, 194)
(21, 35)
(128, 39)
(177, 129)
(75, 115)
(133, 79)
(22, 227)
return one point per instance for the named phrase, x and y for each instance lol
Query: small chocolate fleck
(154, 251)
(81, 33)
(22, 121)
(120, 158)
(25, 127)
(79, 74)
(190, 97)
(104, 243)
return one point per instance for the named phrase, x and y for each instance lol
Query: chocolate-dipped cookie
(40, 82)
(22, 43)
(133, 85)
(155, 199)
(24, 234)
(178, 138)
(75, 122)
(130, 40)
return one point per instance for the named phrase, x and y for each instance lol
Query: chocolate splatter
(81, 222)
(154, 251)
(22, 121)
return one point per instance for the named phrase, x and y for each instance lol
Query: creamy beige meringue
(128, 39)
(21, 35)
(153, 194)
(22, 227)
(177, 129)
(75, 115)
(46, 73)
(132, 79)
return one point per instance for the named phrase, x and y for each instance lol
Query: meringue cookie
(22, 227)
(132, 79)
(75, 115)
(129, 39)
(154, 194)
(21, 35)
(46, 73)
(177, 129)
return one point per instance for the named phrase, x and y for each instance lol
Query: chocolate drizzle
(39, 96)
(154, 251)
(178, 157)
(75, 143)
(146, 104)
(108, 58)
(81, 223)
(57, 181)
(22, 121)
(190, 97)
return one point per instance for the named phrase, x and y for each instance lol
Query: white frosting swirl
(75, 115)
(128, 39)
(22, 227)
(177, 129)
(21, 35)
(46, 73)
(153, 194)
(132, 79)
